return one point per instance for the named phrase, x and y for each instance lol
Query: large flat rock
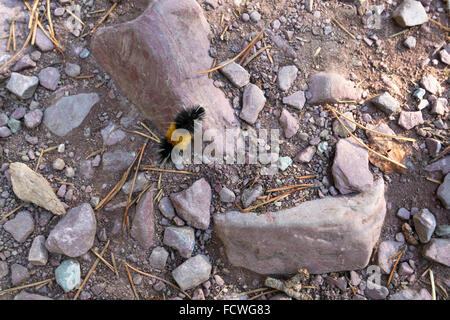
(325, 235)
(155, 60)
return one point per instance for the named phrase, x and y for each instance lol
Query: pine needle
(13, 211)
(43, 282)
(104, 18)
(167, 170)
(343, 28)
(74, 15)
(131, 282)
(103, 260)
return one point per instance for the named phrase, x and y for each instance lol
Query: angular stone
(226, 195)
(166, 208)
(24, 63)
(21, 226)
(331, 88)
(253, 102)
(403, 213)
(443, 192)
(158, 258)
(405, 269)
(410, 294)
(118, 160)
(23, 295)
(22, 86)
(249, 195)
(49, 78)
(316, 235)
(180, 238)
(192, 272)
(289, 123)
(286, 77)
(445, 56)
(170, 38)
(237, 75)
(4, 271)
(440, 106)
(31, 186)
(112, 135)
(42, 42)
(74, 234)
(296, 100)
(387, 249)
(143, 226)
(305, 155)
(33, 118)
(68, 275)
(38, 254)
(339, 130)
(86, 169)
(386, 103)
(438, 250)
(193, 204)
(410, 42)
(410, 119)
(19, 274)
(433, 146)
(72, 69)
(69, 112)
(5, 132)
(351, 167)
(410, 13)
(141, 181)
(376, 292)
(430, 83)
(424, 223)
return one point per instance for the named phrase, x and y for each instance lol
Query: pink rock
(410, 119)
(193, 204)
(143, 226)
(305, 155)
(438, 250)
(326, 235)
(155, 60)
(289, 124)
(351, 167)
(430, 83)
(331, 88)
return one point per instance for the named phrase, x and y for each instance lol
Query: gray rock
(445, 56)
(410, 294)
(286, 77)
(22, 86)
(23, 295)
(433, 146)
(24, 63)
(226, 195)
(3, 119)
(410, 42)
(405, 269)
(142, 180)
(249, 195)
(72, 69)
(339, 130)
(21, 226)
(192, 272)
(33, 118)
(112, 135)
(386, 103)
(387, 249)
(118, 160)
(442, 230)
(75, 233)
(14, 125)
(442, 165)
(355, 279)
(19, 274)
(305, 155)
(430, 83)
(193, 204)
(158, 258)
(443, 192)
(403, 213)
(307, 235)
(296, 100)
(180, 238)
(438, 250)
(5, 132)
(440, 106)
(255, 16)
(68, 275)
(237, 75)
(253, 102)
(4, 271)
(166, 208)
(38, 254)
(86, 169)
(289, 123)
(375, 291)
(410, 13)
(351, 167)
(143, 226)
(410, 119)
(424, 223)
(42, 42)
(49, 78)
(69, 112)
(331, 88)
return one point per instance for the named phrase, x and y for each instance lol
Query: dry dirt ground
(338, 52)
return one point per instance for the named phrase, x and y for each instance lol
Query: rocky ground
(389, 69)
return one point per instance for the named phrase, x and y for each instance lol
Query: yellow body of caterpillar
(182, 142)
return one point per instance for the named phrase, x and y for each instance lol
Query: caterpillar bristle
(187, 117)
(165, 149)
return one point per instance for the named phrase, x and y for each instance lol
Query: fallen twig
(90, 271)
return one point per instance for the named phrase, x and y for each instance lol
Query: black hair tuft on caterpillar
(186, 120)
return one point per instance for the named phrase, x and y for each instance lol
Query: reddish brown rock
(331, 88)
(143, 227)
(438, 250)
(325, 235)
(155, 59)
